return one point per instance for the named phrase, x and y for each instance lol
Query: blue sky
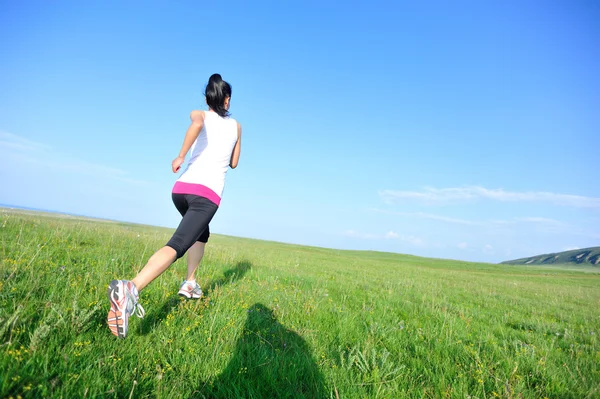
(466, 130)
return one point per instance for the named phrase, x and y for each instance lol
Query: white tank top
(211, 153)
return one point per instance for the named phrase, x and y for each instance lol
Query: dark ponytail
(216, 91)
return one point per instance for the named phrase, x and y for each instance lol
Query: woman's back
(211, 152)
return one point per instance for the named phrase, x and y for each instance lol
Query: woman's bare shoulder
(197, 115)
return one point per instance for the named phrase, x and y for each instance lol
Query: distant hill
(584, 256)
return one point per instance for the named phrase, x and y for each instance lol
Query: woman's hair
(216, 91)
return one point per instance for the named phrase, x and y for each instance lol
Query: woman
(215, 140)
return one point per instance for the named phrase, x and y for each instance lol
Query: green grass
(285, 321)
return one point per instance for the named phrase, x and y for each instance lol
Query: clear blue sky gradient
(466, 130)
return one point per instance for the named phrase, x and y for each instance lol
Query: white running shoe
(190, 290)
(123, 297)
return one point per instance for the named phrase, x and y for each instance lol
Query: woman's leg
(157, 264)
(194, 256)
(195, 221)
(123, 294)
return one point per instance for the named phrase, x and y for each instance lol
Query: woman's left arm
(235, 154)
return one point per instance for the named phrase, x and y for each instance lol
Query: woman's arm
(235, 154)
(191, 135)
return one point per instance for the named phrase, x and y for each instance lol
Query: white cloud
(446, 219)
(539, 220)
(23, 150)
(432, 195)
(427, 216)
(463, 245)
(488, 248)
(413, 240)
(502, 222)
(12, 142)
(391, 234)
(356, 234)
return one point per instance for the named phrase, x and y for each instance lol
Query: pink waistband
(196, 189)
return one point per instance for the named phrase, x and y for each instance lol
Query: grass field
(287, 321)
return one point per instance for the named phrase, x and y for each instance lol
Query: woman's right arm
(191, 135)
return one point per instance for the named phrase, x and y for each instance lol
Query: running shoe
(190, 290)
(123, 297)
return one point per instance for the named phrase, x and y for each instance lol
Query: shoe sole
(188, 296)
(115, 320)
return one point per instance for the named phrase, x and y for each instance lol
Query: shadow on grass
(156, 317)
(269, 361)
(171, 302)
(229, 276)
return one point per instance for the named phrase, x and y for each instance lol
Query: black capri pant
(197, 213)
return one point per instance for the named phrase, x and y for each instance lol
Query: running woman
(215, 141)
